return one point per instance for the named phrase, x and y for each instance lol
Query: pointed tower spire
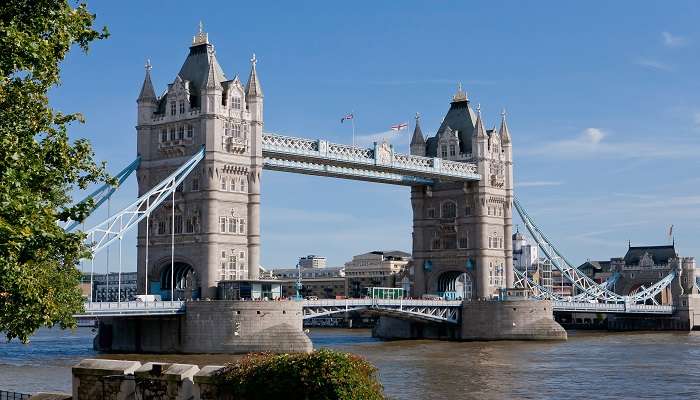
(417, 141)
(147, 91)
(201, 37)
(212, 80)
(503, 131)
(479, 130)
(253, 87)
(417, 133)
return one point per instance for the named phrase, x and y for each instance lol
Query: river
(590, 365)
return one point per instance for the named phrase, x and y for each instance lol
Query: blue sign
(428, 265)
(470, 264)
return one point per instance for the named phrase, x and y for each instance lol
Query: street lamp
(298, 284)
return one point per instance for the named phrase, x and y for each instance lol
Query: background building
(375, 269)
(312, 261)
(105, 289)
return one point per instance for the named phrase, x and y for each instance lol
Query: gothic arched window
(449, 210)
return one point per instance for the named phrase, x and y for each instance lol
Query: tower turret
(147, 100)
(479, 138)
(418, 141)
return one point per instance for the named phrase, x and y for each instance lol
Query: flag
(670, 231)
(399, 127)
(349, 116)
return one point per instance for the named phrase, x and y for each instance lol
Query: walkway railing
(113, 308)
(320, 157)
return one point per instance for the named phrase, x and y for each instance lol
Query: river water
(587, 366)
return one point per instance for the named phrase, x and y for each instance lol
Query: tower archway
(186, 280)
(455, 285)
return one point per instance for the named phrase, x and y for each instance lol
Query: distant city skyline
(602, 105)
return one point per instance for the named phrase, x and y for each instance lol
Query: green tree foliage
(321, 375)
(40, 166)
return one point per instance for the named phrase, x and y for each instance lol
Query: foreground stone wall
(229, 327)
(117, 380)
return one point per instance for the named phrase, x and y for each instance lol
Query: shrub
(321, 375)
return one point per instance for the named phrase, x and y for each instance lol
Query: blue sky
(602, 98)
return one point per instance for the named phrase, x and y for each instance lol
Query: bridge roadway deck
(380, 164)
(433, 310)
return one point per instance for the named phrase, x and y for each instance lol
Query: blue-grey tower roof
(460, 118)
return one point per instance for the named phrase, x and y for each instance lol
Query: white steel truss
(114, 228)
(589, 289)
(426, 310)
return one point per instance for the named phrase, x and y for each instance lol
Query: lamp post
(298, 284)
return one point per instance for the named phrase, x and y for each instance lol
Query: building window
(241, 226)
(236, 130)
(243, 184)
(172, 108)
(178, 224)
(181, 132)
(464, 241)
(164, 135)
(189, 131)
(223, 184)
(189, 225)
(450, 242)
(236, 102)
(449, 209)
(467, 210)
(227, 128)
(444, 150)
(435, 243)
(161, 227)
(231, 225)
(195, 184)
(222, 224)
(172, 133)
(452, 150)
(431, 213)
(182, 107)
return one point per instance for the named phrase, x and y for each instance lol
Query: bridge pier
(228, 327)
(482, 320)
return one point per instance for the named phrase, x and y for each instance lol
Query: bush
(321, 375)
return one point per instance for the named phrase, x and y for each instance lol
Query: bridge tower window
(161, 227)
(444, 150)
(449, 209)
(173, 108)
(178, 224)
(164, 135)
(195, 185)
(464, 240)
(431, 213)
(435, 243)
(222, 224)
(224, 185)
(182, 106)
(231, 225)
(236, 102)
(172, 133)
(243, 184)
(189, 131)
(237, 130)
(452, 150)
(189, 225)
(181, 132)
(241, 226)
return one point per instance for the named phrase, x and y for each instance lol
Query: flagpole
(352, 120)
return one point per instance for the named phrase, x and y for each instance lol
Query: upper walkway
(378, 164)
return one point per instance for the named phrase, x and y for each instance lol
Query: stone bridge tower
(462, 231)
(216, 217)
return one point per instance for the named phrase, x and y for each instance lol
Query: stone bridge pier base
(482, 320)
(510, 320)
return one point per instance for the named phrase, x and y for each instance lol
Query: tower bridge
(201, 155)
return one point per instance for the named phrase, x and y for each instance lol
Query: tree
(40, 166)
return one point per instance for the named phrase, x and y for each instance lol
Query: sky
(602, 101)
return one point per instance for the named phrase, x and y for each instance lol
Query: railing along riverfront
(5, 395)
(113, 308)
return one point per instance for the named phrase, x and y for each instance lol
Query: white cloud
(653, 64)
(368, 140)
(670, 40)
(592, 142)
(538, 183)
